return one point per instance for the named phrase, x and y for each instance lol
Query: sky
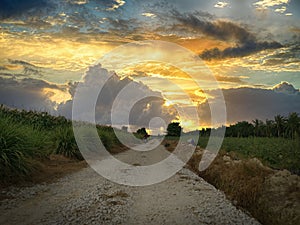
(251, 48)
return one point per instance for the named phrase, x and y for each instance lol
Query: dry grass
(271, 197)
(242, 182)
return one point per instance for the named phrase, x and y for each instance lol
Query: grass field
(277, 153)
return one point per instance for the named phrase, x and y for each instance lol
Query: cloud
(250, 103)
(285, 88)
(20, 62)
(245, 41)
(147, 14)
(285, 59)
(35, 94)
(241, 50)
(281, 10)
(116, 5)
(221, 5)
(219, 29)
(264, 4)
(28, 68)
(78, 2)
(9, 8)
(140, 115)
(231, 79)
(279, 5)
(28, 94)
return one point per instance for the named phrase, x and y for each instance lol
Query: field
(277, 153)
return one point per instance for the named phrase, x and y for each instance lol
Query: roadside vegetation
(28, 138)
(276, 153)
(257, 167)
(275, 142)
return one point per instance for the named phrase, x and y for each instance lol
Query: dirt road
(87, 198)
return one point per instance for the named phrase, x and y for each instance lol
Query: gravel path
(87, 198)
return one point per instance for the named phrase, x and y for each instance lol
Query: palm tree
(269, 127)
(293, 122)
(279, 121)
(257, 127)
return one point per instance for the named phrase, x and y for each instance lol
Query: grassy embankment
(276, 153)
(254, 173)
(28, 140)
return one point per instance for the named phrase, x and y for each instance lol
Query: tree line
(280, 126)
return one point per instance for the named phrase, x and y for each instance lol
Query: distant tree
(244, 129)
(258, 127)
(293, 122)
(280, 122)
(174, 129)
(142, 132)
(269, 128)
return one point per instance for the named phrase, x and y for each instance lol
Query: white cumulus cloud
(221, 4)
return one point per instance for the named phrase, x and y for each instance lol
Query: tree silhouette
(142, 132)
(174, 129)
(293, 124)
(269, 128)
(258, 124)
(280, 123)
(286, 127)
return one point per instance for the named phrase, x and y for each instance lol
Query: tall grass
(65, 143)
(27, 136)
(19, 144)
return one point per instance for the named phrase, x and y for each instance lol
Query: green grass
(19, 144)
(65, 143)
(27, 137)
(278, 153)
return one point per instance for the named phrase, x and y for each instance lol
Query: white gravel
(87, 198)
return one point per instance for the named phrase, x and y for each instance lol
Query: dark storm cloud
(26, 94)
(246, 42)
(251, 103)
(240, 50)
(12, 8)
(222, 30)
